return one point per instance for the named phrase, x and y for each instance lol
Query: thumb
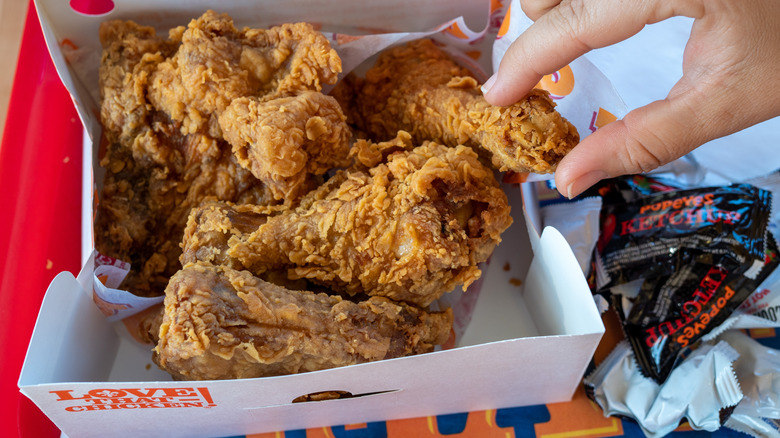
(643, 140)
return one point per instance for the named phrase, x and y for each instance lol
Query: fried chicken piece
(160, 100)
(143, 210)
(419, 88)
(211, 225)
(217, 63)
(130, 54)
(154, 174)
(285, 141)
(409, 229)
(367, 154)
(144, 326)
(220, 323)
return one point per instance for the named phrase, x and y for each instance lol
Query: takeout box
(532, 333)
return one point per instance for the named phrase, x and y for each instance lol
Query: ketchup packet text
(656, 235)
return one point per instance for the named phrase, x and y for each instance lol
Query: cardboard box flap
(555, 267)
(490, 376)
(72, 341)
(550, 298)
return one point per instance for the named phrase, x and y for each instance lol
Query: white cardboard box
(525, 345)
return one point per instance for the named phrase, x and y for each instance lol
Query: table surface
(58, 249)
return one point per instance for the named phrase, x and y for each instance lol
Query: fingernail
(584, 182)
(488, 84)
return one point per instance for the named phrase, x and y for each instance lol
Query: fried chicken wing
(409, 229)
(220, 323)
(420, 89)
(285, 141)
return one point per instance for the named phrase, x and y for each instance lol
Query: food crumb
(148, 367)
(506, 266)
(515, 282)
(49, 264)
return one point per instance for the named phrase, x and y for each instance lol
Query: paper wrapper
(758, 370)
(477, 34)
(697, 390)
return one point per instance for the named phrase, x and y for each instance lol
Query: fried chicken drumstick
(420, 89)
(410, 229)
(220, 323)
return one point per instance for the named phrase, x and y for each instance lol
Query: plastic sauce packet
(655, 235)
(702, 389)
(754, 426)
(671, 313)
(629, 188)
(758, 372)
(761, 310)
(616, 190)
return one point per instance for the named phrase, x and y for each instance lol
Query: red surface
(40, 187)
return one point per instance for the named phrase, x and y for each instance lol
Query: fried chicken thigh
(420, 89)
(160, 105)
(220, 323)
(217, 63)
(154, 174)
(409, 229)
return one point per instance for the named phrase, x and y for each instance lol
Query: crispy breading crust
(410, 228)
(286, 140)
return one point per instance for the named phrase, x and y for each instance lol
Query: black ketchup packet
(698, 253)
(657, 235)
(671, 313)
(629, 188)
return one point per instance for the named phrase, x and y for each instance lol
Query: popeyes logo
(135, 398)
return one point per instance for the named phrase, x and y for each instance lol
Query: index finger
(566, 32)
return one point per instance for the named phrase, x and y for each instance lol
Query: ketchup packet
(629, 188)
(655, 235)
(672, 312)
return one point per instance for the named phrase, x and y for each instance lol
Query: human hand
(731, 77)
